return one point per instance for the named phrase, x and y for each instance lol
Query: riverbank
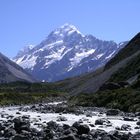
(58, 120)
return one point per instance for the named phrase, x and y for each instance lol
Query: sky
(25, 22)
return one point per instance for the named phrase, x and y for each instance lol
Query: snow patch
(110, 55)
(28, 63)
(68, 29)
(78, 57)
(99, 55)
(59, 42)
(56, 56)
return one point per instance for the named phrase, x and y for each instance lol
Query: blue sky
(24, 22)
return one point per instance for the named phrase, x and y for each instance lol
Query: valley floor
(57, 121)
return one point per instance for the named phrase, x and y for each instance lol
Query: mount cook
(65, 53)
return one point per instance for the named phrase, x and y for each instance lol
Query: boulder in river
(102, 121)
(125, 127)
(112, 112)
(61, 118)
(21, 124)
(82, 128)
(68, 137)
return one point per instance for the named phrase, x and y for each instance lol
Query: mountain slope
(121, 90)
(131, 71)
(122, 69)
(66, 53)
(10, 71)
(132, 47)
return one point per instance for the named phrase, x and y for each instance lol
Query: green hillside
(18, 93)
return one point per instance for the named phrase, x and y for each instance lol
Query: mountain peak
(25, 50)
(27, 47)
(66, 29)
(68, 26)
(65, 53)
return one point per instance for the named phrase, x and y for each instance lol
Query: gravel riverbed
(58, 121)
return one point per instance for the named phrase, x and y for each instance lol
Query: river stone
(19, 137)
(82, 128)
(61, 118)
(125, 127)
(112, 112)
(68, 137)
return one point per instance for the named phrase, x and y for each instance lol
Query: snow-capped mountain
(24, 50)
(66, 52)
(11, 72)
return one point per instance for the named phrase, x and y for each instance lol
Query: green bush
(17, 93)
(126, 99)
